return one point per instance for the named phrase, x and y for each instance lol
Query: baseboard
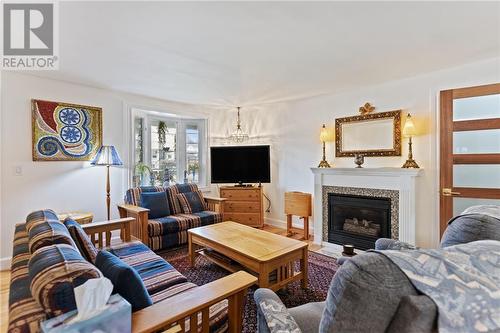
(282, 224)
(5, 263)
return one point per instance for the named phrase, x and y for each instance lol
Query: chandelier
(238, 135)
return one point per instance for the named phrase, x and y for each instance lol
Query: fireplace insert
(358, 220)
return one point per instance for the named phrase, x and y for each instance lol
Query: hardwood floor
(4, 299)
(5, 278)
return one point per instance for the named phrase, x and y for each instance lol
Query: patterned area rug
(321, 271)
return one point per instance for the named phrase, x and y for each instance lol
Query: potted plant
(143, 174)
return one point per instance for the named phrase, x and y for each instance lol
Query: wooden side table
(78, 216)
(298, 204)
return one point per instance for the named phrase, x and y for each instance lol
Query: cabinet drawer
(241, 195)
(242, 206)
(243, 218)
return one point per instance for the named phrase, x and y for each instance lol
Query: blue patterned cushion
(157, 204)
(192, 202)
(25, 313)
(40, 216)
(126, 281)
(48, 233)
(82, 240)
(172, 192)
(54, 272)
(133, 195)
(170, 231)
(156, 273)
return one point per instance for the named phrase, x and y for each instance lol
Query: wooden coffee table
(235, 247)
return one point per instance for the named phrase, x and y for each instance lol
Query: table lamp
(107, 156)
(324, 136)
(409, 131)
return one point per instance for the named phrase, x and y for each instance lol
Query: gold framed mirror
(369, 134)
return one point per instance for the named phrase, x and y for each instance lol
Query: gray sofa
(369, 293)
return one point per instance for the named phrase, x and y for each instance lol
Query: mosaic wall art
(65, 132)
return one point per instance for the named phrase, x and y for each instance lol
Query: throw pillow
(48, 233)
(157, 204)
(192, 202)
(40, 216)
(54, 271)
(125, 279)
(82, 240)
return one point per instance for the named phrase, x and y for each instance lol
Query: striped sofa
(47, 265)
(168, 231)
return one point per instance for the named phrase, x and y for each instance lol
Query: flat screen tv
(240, 164)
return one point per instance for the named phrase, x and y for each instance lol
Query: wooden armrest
(133, 209)
(103, 230)
(209, 198)
(162, 314)
(108, 225)
(139, 229)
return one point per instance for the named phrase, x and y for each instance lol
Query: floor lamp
(107, 156)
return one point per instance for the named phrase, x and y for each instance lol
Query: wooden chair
(298, 204)
(139, 227)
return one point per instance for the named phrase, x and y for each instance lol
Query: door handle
(447, 192)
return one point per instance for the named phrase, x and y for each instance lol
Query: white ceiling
(260, 52)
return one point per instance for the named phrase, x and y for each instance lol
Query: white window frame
(181, 123)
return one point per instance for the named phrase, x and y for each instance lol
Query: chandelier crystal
(238, 135)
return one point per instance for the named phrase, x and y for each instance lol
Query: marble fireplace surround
(396, 183)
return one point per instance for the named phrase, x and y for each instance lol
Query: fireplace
(358, 220)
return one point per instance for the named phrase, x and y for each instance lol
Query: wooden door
(469, 150)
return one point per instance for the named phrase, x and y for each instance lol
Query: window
(168, 149)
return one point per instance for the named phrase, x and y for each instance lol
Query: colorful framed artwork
(65, 132)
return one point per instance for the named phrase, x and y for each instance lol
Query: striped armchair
(168, 231)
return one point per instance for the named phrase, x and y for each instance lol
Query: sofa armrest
(272, 314)
(188, 304)
(215, 204)
(139, 228)
(133, 209)
(382, 244)
(97, 230)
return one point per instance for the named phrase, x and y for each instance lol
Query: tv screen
(242, 164)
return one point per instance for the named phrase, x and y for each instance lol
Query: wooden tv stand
(243, 205)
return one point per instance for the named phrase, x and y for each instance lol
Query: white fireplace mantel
(402, 180)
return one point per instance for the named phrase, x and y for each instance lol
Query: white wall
(293, 131)
(62, 186)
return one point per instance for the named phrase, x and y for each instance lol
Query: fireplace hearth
(358, 220)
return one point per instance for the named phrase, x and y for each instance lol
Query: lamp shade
(107, 155)
(325, 134)
(409, 127)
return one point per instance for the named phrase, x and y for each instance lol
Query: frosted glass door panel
(476, 142)
(460, 204)
(480, 107)
(476, 175)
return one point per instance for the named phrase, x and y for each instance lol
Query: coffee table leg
(304, 267)
(191, 249)
(263, 276)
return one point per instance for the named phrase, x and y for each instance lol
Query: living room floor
(4, 299)
(5, 276)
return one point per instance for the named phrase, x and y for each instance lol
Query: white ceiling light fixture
(238, 135)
